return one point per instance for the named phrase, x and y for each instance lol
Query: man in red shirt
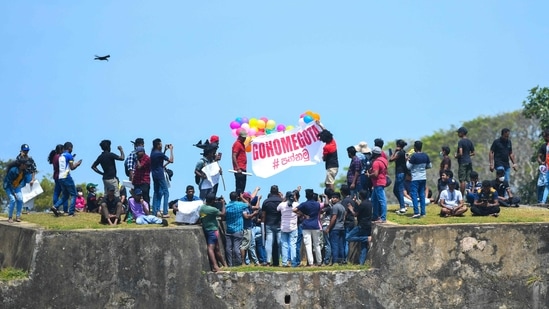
(240, 161)
(142, 173)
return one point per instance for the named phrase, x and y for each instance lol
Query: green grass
(7, 274)
(79, 221)
(507, 215)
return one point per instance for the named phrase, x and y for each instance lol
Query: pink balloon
(252, 132)
(234, 124)
(280, 127)
(234, 132)
(265, 119)
(259, 133)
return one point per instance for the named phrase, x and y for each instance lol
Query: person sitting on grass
(472, 188)
(111, 208)
(140, 210)
(451, 200)
(486, 201)
(505, 196)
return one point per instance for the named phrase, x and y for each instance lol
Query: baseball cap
(25, 147)
(139, 141)
(376, 150)
(462, 130)
(214, 139)
(452, 181)
(91, 185)
(139, 149)
(246, 195)
(243, 133)
(137, 191)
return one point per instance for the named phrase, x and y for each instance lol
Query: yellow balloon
(260, 124)
(290, 127)
(253, 122)
(270, 124)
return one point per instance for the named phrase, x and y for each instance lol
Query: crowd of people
(272, 231)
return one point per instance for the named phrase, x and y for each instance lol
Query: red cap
(214, 139)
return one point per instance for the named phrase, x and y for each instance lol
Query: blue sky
(183, 70)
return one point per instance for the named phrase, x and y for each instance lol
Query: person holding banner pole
(240, 161)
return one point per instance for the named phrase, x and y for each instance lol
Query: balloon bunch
(255, 127)
(308, 117)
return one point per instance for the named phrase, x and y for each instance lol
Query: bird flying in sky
(101, 58)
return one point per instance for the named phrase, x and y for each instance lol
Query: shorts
(331, 174)
(464, 171)
(246, 239)
(211, 237)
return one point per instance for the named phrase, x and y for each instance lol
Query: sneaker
(165, 216)
(416, 216)
(55, 211)
(164, 222)
(401, 211)
(158, 214)
(17, 219)
(10, 220)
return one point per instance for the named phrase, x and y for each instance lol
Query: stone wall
(454, 266)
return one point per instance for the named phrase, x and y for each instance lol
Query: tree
(536, 105)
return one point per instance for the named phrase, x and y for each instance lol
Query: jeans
(360, 235)
(327, 246)
(148, 219)
(232, 248)
(418, 186)
(398, 189)
(17, 199)
(160, 191)
(346, 251)
(272, 232)
(57, 193)
(288, 240)
(204, 193)
(69, 189)
(297, 260)
(311, 239)
(337, 240)
(259, 246)
(540, 190)
(379, 203)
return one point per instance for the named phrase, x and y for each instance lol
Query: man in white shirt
(451, 201)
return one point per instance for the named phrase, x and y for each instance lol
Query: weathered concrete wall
(456, 266)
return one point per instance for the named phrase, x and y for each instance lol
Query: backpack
(198, 179)
(366, 161)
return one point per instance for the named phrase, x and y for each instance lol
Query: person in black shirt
(271, 218)
(107, 161)
(111, 209)
(363, 231)
(505, 196)
(500, 153)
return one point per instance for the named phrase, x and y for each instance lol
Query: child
(92, 204)
(80, 201)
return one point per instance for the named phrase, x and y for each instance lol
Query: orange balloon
(249, 148)
(316, 116)
(309, 113)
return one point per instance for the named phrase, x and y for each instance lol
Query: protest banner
(276, 152)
